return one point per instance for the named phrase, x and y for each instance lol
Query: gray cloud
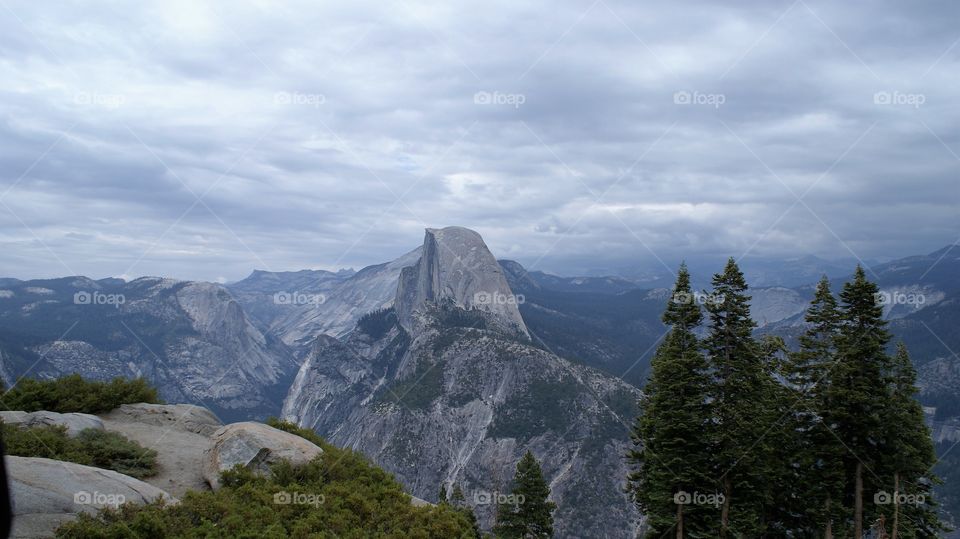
(330, 135)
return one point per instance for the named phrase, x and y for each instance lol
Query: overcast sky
(201, 140)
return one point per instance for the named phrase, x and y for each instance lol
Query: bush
(346, 497)
(92, 447)
(74, 394)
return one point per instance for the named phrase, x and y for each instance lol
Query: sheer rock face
(447, 388)
(457, 269)
(458, 405)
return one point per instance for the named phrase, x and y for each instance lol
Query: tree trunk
(881, 528)
(896, 505)
(725, 512)
(828, 530)
(679, 521)
(858, 502)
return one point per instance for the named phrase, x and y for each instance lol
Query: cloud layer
(204, 139)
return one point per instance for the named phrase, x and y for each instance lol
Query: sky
(202, 140)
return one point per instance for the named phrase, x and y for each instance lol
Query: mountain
(298, 306)
(192, 340)
(539, 279)
(760, 271)
(448, 387)
(267, 296)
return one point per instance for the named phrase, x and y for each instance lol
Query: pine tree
(743, 395)
(788, 464)
(910, 457)
(857, 393)
(527, 513)
(817, 462)
(459, 502)
(671, 455)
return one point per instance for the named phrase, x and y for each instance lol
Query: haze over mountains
(444, 365)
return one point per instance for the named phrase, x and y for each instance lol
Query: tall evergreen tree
(909, 507)
(817, 456)
(528, 513)
(671, 458)
(857, 393)
(789, 463)
(459, 502)
(742, 406)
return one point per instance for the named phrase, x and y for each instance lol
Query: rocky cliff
(299, 306)
(444, 389)
(192, 340)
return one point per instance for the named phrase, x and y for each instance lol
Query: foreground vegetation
(337, 495)
(91, 447)
(75, 394)
(739, 437)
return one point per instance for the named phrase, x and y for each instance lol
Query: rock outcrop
(458, 270)
(183, 417)
(74, 422)
(47, 493)
(255, 446)
(179, 432)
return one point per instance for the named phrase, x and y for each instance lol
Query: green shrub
(352, 499)
(293, 428)
(74, 394)
(92, 447)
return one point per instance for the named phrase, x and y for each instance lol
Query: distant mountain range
(443, 365)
